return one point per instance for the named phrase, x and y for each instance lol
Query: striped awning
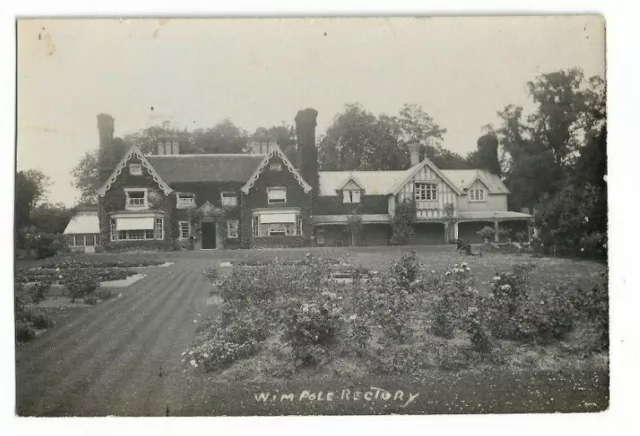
(138, 223)
(277, 218)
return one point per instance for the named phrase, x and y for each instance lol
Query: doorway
(208, 235)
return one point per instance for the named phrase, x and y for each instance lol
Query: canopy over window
(127, 223)
(277, 218)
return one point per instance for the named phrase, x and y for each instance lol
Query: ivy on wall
(401, 226)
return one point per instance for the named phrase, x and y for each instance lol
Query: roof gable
(351, 182)
(411, 172)
(372, 182)
(134, 151)
(265, 161)
(465, 178)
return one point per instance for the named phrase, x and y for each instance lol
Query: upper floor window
(351, 196)
(476, 194)
(135, 169)
(136, 199)
(185, 200)
(229, 198)
(275, 166)
(276, 195)
(425, 191)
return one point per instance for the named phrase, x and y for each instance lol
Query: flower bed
(290, 318)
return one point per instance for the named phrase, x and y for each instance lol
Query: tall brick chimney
(306, 133)
(414, 152)
(106, 162)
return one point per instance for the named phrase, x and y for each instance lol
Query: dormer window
(135, 169)
(275, 166)
(476, 195)
(185, 200)
(351, 196)
(229, 199)
(276, 195)
(136, 199)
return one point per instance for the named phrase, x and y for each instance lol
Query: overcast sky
(260, 72)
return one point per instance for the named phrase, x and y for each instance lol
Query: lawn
(281, 323)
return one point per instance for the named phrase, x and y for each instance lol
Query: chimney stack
(168, 146)
(414, 152)
(106, 162)
(306, 133)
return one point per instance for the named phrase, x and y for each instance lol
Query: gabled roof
(465, 178)
(372, 182)
(352, 178)
(134, 151)
(185, 168)
(83, 223)
(265, 160)
(414, 170)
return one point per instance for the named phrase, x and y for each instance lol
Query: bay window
(278, 223)
(123, 228)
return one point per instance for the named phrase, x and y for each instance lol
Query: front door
(208, 235)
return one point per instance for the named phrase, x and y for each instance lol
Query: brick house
(262, 199)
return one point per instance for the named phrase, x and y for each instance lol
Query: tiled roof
(374, 182)
(464, 178)
(205, 167)
(83, 222)
(491, 215)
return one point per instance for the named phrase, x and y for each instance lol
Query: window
(159, 229)
(114, 233)
(277, 224)
(351, 196)
(232, 229)
(185, 229)
(229, 199)
(136, 199)
(275, 166)
(425, 191)
(79, 240)
(135, 234)
(72, 241)
(476, 195)
(185, 200)
(135, 169)
(256, 225)
(276, 195)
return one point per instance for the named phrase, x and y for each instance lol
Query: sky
(260, 72)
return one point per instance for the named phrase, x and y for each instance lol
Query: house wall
(114, 201)
(333, 205)
(428, 209)
(209, 192)
(257, 198)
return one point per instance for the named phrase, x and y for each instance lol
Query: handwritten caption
(347, 395)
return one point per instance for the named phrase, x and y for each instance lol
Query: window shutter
(356, 196)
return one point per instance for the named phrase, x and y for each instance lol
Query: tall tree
(224, 137)
(486, 155)
(31, 189)
(86, 177)
(285, 137)
(51, 218)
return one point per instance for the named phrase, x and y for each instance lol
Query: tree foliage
(31, 189)
(87, 177)
(401, 226)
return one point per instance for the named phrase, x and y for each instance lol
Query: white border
(623, 76)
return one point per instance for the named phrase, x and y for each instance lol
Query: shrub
(40, 321)
(487, 233)
(311, 327)
(477, 333)
(79, 283)
(104, 294)
(594, 244)
(442, 322)
(24, 331)
(405, 270)
(359, 333)
(212, 273)
(39, 291)
(90, 299)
